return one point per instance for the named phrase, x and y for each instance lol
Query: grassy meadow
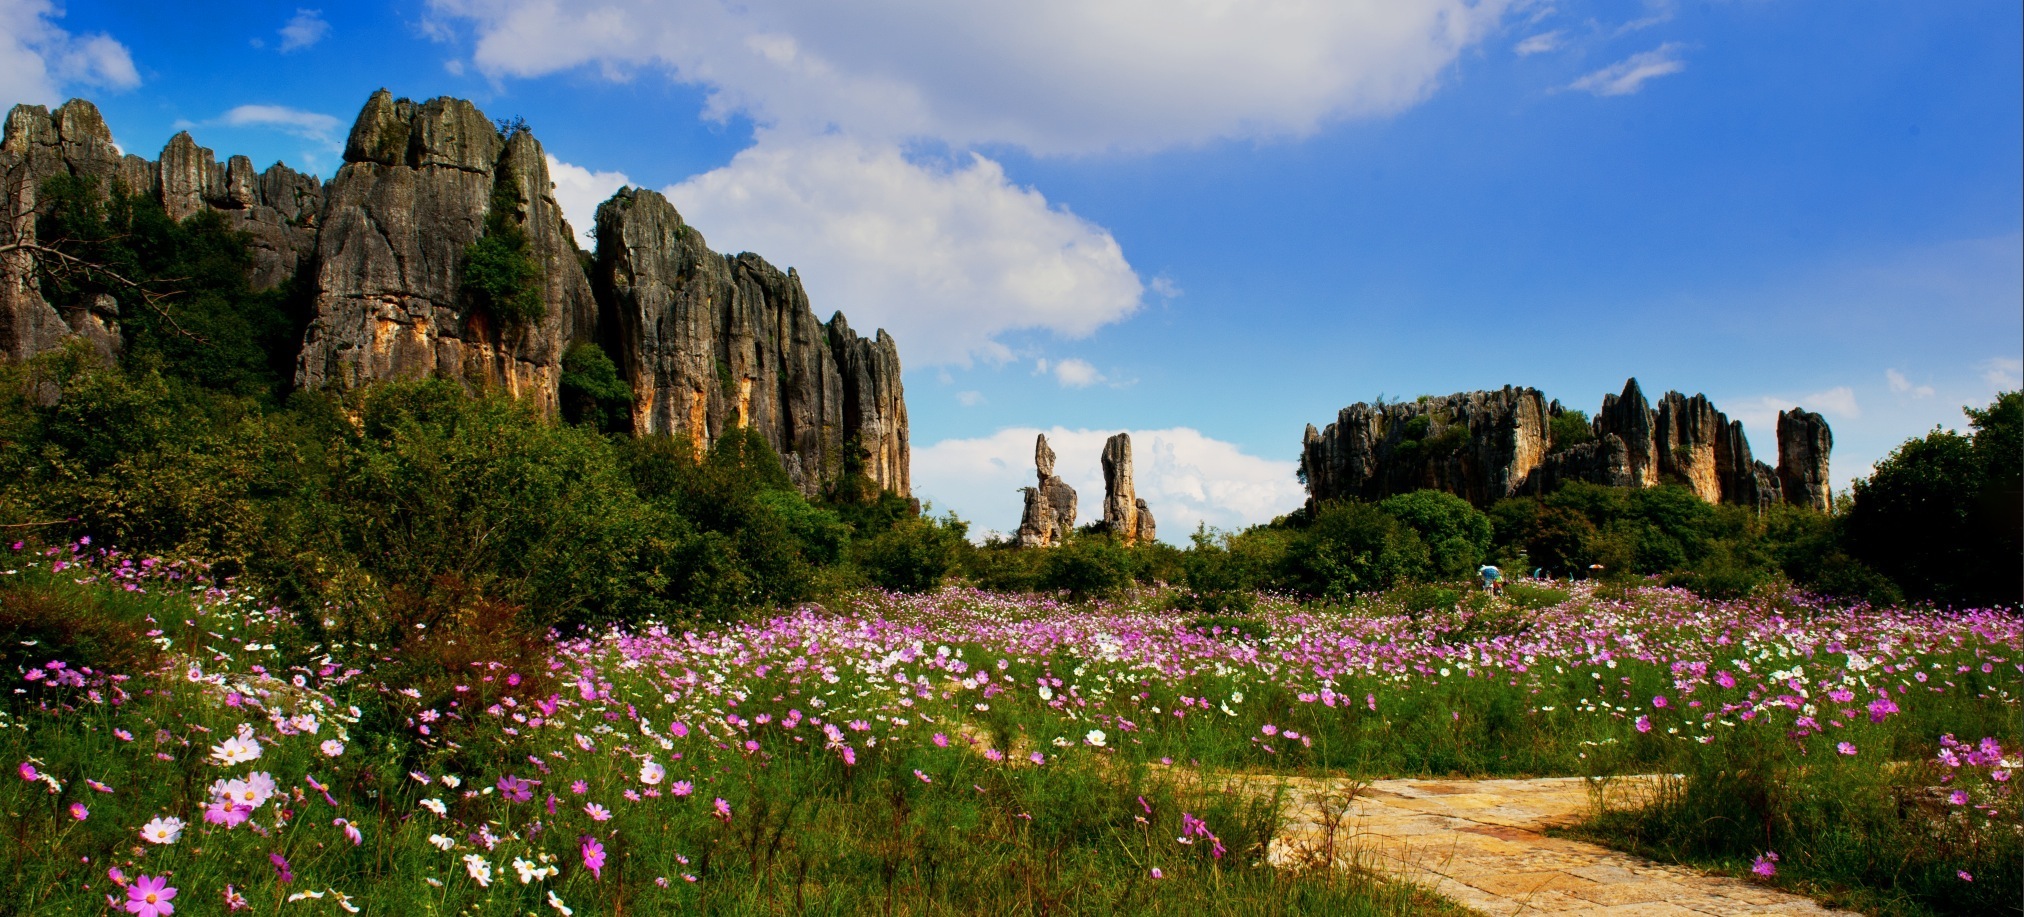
(961, 751)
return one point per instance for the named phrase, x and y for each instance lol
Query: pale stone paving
(1481, 844)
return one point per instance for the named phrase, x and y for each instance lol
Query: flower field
(922, 754)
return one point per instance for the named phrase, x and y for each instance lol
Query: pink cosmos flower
(593, 856)
(1766, 865)
(28, 772)
(149, 897)
(924, 778)
(235, 901)
(516, 789)
(1643, 724)
(1157, 874)
(723, 810)
(1037, 758)
(1659, 701)
(681, 788)
(79, 812)
(579, 787)
(281, 869)
(1965, 877)
(597, 812)
(1958, 797)
(1846, 748)
(679, 728)
(941, 741)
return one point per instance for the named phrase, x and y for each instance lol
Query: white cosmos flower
(557, 904)
(652, 773)
(479, 868)
(1095, 737)
(436, 806)
(441, 842)
(162, 830)
(236, 750)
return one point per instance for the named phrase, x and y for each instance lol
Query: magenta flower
(579, 787)
(79, 812)
(1643, 723)
(235, 901)
(593, 856)
(1965, 877)
(1846, 748)
(941, 741)
(149, 897)
(281, 869)
(1958, 797)
(1659, 701)
(1766, 865)
(516, 789)
(28, 772)
(723, 810)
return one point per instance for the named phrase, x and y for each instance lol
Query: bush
(1352, 547)
(500, 274)
(94, 633)
(1088, 566)
(1457, 535)
(591, 391)
(913, 556)
(1568, 429)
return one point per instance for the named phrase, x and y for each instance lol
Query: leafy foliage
(499, 271)
(591, 391)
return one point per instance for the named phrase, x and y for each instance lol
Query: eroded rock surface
(708, 342)
(1803, 444)
(1124, 514)
(1485, 446)
(1050, 506)
(278, 207)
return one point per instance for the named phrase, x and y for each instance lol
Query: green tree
(591, 391)
(1352, 547)
(1457, 535)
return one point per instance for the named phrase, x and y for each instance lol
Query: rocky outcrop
(1124, 514)
(1479, 445)
(1485, 446)
(1050, 506)
(711, 342)
(1803, 444)
(417, 186)
(278, 208)
(708, 342)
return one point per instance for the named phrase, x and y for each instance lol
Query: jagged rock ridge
(709, 342)
(278, 207)
(1485, 446)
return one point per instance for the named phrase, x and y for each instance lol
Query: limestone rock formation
(1050, 506)
(712, 342)
(1478, 445)
(1803, 444)
(1124, 514)
(418, 182)
(1484, 446)
(708, 342)
(278, 207)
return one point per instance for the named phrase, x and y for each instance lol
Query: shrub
(592, 392)
(913, 556)
(1568, 429)
(500, 273)
(1457, 535)
(1088, 566)
(1352, 547)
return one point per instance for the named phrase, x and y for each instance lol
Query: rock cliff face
(418, 183)
(1478, 445)
(1124, 514)
(1050, 507)
(1485, 446)
(278, 207)
(1803, 444)
(708, 342)
(712, 342)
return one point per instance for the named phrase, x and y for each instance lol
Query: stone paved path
(1479, 843)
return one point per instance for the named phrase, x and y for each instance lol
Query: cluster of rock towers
(1050, 506)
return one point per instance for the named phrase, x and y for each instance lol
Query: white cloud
(306, 124)
(1901, 385)
(579, 190)
(39, 62)
(1164, 287)
(1076, 373)
(2003, 373)
(304, 30)
(1185, 478)
(946, 256)
(1541, 43)
(1629, 75)
(1053, 76)
(969, 399)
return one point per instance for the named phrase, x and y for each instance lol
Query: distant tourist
(1493, 579)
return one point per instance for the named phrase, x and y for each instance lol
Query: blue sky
(1212, 224)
